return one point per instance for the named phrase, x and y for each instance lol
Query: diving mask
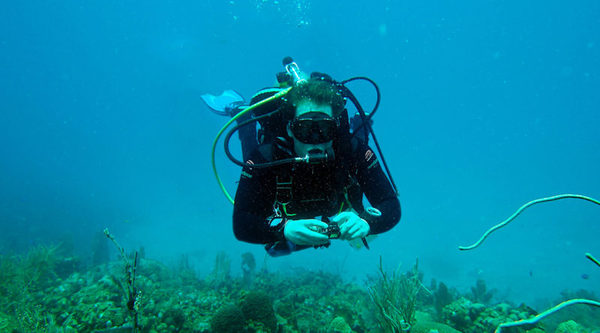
(314, 128)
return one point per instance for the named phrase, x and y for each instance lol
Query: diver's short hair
(319, 92)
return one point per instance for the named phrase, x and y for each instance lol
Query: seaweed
(134, 296)
(395, 298)
(22, 278)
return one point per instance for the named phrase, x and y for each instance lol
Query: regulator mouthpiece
(317, 157)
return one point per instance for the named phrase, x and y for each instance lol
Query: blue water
(486, 105)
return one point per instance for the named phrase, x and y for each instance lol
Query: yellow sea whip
(520, 210)
(535, 319)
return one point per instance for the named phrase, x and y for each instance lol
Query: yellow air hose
(214, 145)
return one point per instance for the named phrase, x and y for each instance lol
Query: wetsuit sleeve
(378, 190)
(254, 205)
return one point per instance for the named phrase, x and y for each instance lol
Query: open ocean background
(486, 105)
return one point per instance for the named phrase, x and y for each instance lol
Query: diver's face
(310, 128)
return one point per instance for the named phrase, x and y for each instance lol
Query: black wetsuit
(316, 190)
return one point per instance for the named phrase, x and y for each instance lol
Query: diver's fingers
(354, 229)
(310, 237)
(311, 234)
(312, 224)
(350, 232)
(305, 232)
(342, 217)
(346, 229)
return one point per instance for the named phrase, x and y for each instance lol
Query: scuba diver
(306, 166)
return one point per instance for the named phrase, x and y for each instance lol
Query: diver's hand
(351, 225)
(302, 232)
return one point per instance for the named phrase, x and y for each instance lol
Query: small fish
(585, 276)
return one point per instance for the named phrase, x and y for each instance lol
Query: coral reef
(570, 327)
(33, 297)
(339, 325)
(442, 296)
(228, 319)
(467, 316)
(584, 315)
(257, 307)
(431, 326)
(480, 293)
